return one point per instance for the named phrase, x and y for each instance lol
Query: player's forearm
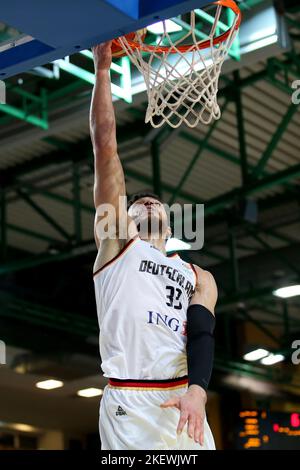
(102, 116)
(200, 345)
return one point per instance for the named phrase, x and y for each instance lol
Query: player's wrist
(101, 70)
(198, 391)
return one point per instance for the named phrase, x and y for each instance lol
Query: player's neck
(159, 243)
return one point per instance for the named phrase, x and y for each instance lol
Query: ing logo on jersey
(155, 318)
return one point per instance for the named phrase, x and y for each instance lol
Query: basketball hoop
(182, 75)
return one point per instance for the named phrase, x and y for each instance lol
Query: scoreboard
(260, 429)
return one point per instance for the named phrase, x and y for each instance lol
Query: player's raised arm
(109, 183)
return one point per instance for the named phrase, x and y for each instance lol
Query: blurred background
(245, 168)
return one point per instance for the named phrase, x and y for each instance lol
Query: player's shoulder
(204, 276)
(206, 291)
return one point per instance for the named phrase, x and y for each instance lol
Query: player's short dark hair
(139, 195)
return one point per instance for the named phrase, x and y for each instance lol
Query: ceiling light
(49, 384)
(272, 359)
(256, 354)
(174, 244)
(289, 291)
(23, 427)
(18, 427)
(90, 392)
(258, 387)
(158, 28)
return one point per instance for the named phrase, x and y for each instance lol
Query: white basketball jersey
(142, 298)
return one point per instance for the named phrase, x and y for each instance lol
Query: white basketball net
(182, 87)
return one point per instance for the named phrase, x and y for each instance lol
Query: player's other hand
(102, 56)
(192, 411)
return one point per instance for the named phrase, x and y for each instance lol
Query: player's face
(149, 215)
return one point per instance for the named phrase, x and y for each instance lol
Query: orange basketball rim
(117, 48)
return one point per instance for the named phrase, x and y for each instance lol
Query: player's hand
(192, 410)
(102, 56)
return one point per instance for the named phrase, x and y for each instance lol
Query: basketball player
(150, 307)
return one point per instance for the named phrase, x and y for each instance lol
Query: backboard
(37, 32)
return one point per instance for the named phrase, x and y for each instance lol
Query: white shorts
(131, 419)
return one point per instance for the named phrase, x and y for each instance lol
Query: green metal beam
(63, 91)
(271, 181)
(123, 92)
(16, 89)
(28, 101)
(54, 197)
(248, 4)
(79, 152)
(48, 194)
(156, 179)
(196, 157)
(248, 370)
(62, 94)
(43, 214)
(212, 206)
(269, 73)
(233, 261)
(212, 254)
(83, 327)
(57, 143)
(186, 174)
(38, 260)
(275, 140)
(120, 66)
(165, 133)
(77, 205)
(276, 254)
(258, 229)
(44, 316)
(267, 308)
(234, 299)
(21, 114)
(241, 129)
(3, 228)
(259, 325)
(210, 20)
(239, 246)
(131, 173)
(280, 72)
(278, 236)
(32, 234)
(292, 22)
(286, 320)
(57, 97)
(219, 152)
(12, 176)
(227, 335)
(68, 253)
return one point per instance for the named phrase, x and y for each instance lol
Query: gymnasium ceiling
(250, 156)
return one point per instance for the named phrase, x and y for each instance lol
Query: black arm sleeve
(200, 345)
